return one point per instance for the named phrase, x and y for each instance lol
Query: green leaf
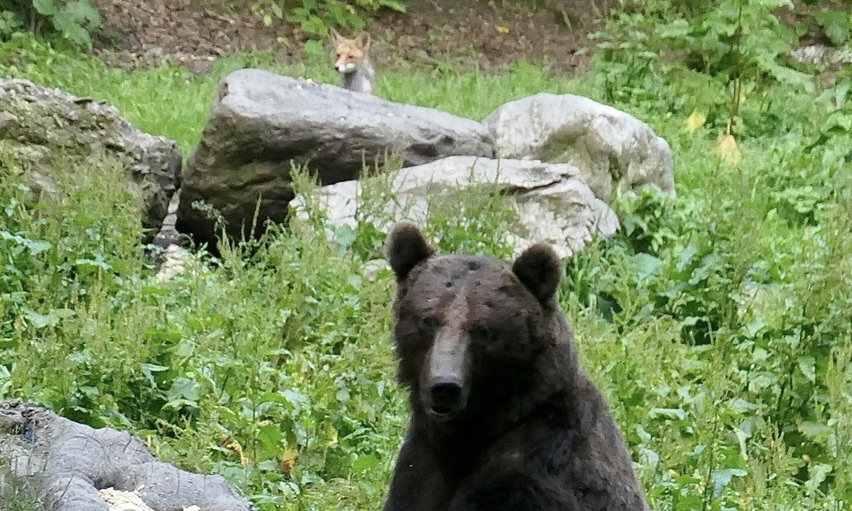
(271, 439)
(183, 390)
(83, 13)
(808, 367)
(676, 29)
(72, 31)
(45, 7)
(34, 246)
(51, 319)
(393, 4)
(741, 405)
(835, 24)
(365, 463)
(668, 413)
(345, 236)
(814, 430)
(721, 478)
(689, 503)
(314, 47)
(644, 265)
(772, 4)
(754, 326)
(817, 473)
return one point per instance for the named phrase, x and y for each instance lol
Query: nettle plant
(719, 53)
(318, 16)
(74, 20)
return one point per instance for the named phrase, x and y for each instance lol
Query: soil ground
(462, 33)
(489, 34)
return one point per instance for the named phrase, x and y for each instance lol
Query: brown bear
(502, 416)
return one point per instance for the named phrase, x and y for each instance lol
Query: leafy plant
(15, 495)
(10, 23)
(735, 45)
(318, 16)
(836, 25)
(73, 19)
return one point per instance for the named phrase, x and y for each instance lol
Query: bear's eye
(428, 323)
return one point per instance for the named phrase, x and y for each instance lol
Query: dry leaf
(695, 121)
(237, 448)
(728, 150)
(332, 434)
(503, 29)
(288, 460)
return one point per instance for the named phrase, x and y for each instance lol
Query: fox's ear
(334, 35)
(364, 41)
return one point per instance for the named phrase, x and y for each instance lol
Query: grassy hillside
(717, 323)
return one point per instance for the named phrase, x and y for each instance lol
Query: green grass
(716, 323)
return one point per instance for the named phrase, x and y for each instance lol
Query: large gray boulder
(262, 124)
(43, 128)
(551, 202)
(614, 151)
(64, 464)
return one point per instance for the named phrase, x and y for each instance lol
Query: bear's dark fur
(503, 417)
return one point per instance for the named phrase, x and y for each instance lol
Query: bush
(318, 16)
(72, 19)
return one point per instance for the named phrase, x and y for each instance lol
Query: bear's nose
(446, 394)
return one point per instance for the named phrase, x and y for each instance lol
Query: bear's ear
(540, 269)
(406, 248)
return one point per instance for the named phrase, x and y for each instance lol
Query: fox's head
(350, 52)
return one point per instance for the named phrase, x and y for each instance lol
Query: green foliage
(717, 53)
(15, 495)
(716, 322)
(10, 23)
(318, 16)
(74, 20)
(836, 24)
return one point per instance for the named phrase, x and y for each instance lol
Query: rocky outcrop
(262, 125)
(42, 128)
(65, 464)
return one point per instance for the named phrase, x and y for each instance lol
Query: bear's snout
(446, 395)
(445, 383)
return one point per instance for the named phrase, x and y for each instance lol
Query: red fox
(353, 62)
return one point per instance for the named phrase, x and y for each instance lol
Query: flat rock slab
(552, 204)
(262, 124)
(66, 464)
(41, 127)
(614, 151)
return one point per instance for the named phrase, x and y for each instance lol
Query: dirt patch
(432, 33)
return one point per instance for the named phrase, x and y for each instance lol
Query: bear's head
(469, 330)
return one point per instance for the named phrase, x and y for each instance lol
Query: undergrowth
(717, 322)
